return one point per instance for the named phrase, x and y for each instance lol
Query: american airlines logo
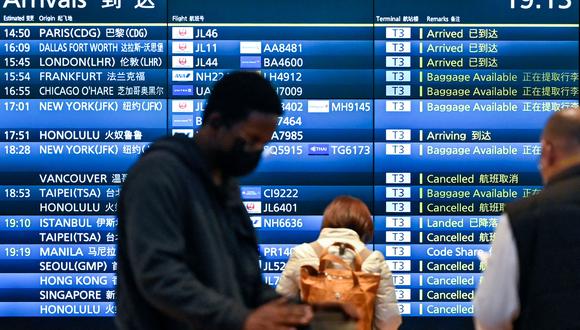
(250, 47)
(182, 75)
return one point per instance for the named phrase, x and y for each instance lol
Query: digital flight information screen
(429, 111)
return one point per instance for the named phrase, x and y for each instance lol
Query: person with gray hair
(532, 280)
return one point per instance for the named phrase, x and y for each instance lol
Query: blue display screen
(429, 111)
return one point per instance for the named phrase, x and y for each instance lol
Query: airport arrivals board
(429, 111)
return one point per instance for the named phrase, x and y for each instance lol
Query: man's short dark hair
(238, 94)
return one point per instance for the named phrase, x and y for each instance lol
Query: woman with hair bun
(346, 220)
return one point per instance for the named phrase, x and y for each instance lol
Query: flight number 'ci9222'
(281, 193)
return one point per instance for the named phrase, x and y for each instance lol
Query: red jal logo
(182, 105)
(182, 60)
(182, 32)
(250, 206)
(182, 46)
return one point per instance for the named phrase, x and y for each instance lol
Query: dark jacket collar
(187, 150)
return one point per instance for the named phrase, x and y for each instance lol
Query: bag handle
(364, 254)
(325, 259)
(317, 248)
(357, 258)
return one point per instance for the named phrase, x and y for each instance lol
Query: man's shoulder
(170, 156)
(521, 206)
(160, 170)
(157, 164)
(551, 197)
(563, 191)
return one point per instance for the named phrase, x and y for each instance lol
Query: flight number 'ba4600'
(283, 62)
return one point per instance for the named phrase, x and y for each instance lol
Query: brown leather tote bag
(343, 285)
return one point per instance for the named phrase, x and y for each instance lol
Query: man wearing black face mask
(187, 250)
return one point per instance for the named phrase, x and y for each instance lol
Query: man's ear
(548, 153)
